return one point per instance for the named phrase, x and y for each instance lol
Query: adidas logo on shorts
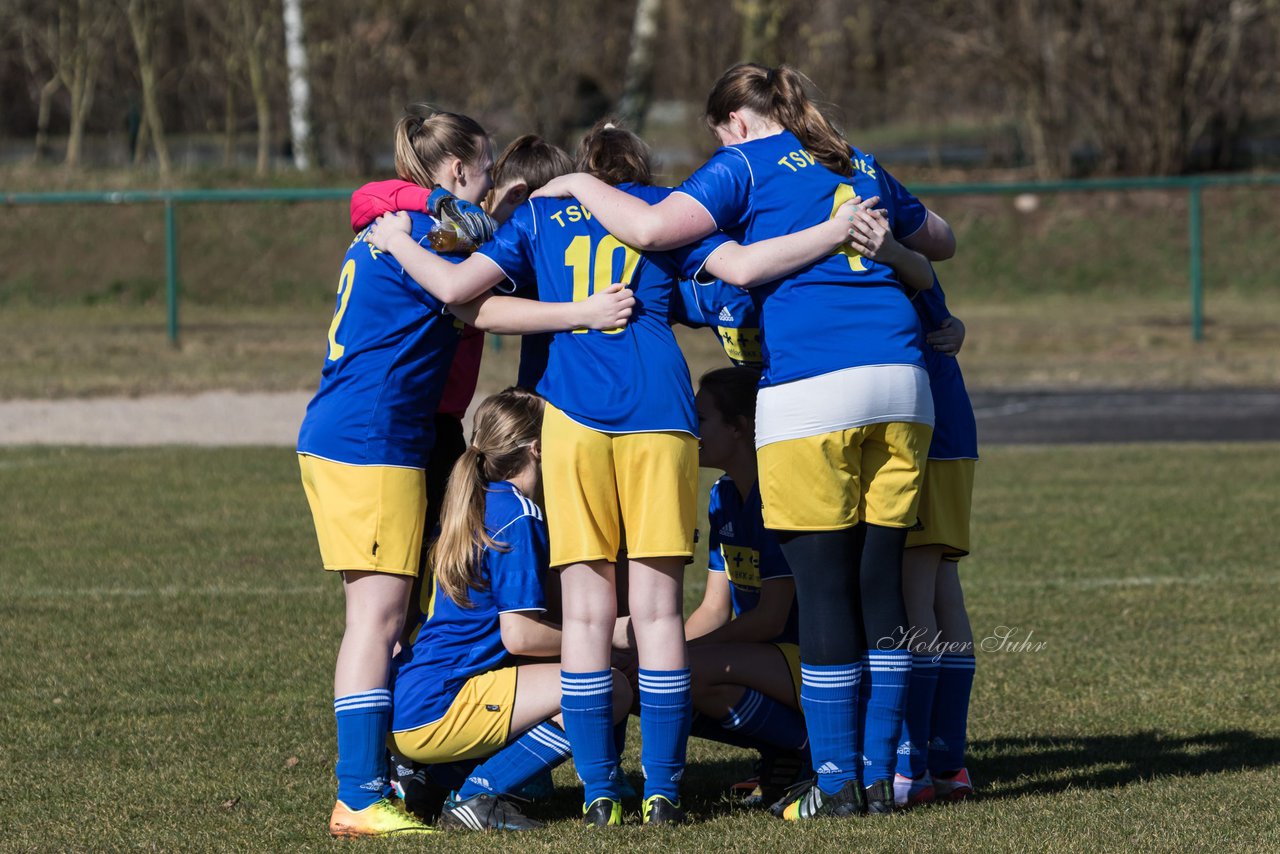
(725, 315)
(726, 530)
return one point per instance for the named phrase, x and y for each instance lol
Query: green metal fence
(170, 199)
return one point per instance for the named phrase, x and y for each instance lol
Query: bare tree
(637, 88)
(761, 29)
(39, 56)
(141, 16)
(299, 85)
(65, 41)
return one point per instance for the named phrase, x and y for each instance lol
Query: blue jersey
(454, 643)
(727, 311)
(620, 381)
(841, 311)
(390, 348)
(955, 433)
(742, 547)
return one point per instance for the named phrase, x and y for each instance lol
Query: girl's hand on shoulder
(560, 187)
(948, 338)
(386, 227)
(609, 309)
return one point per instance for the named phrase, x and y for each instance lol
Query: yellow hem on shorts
(651, 556)
(410, 573)
(949, 552)
(836, 527)
(591, 559)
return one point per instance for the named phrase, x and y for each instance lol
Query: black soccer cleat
(779, 772)
(658, 809)
(422, 796)
(880, 798)
(851, 800)
(484, 812)
(602, 812)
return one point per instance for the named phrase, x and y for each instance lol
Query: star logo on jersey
(726, 530)
(725, 315)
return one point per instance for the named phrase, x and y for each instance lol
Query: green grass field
(166, 667)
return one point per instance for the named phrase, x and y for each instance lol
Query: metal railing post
(171, 266)
(1197, 264)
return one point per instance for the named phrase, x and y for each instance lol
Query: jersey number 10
(588, 277)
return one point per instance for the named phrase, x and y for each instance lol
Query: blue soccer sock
(620, 738)
(829, 697)
(710, 729)
(887, 676)
(586, 700)
(666, 712)
(951, 714)
(363, 721)
(913, 747)
(540, 749)
(762, 717)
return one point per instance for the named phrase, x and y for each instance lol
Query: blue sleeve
(534, 353)
(516, 574)
(512, 248)
(907, 213)
(931, 305)
(690, 259)
(723, 186)
(715, 560)
(686, 308)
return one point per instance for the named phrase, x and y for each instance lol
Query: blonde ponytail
(506, 426)
(425, 139)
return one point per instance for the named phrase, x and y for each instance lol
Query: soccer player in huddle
(459, 694)
(743, 636)
(366, 437)
(844, 413)
(932, 747)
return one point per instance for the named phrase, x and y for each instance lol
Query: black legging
(848, 589)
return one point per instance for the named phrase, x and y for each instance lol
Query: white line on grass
(138, 592)
(1124, 581)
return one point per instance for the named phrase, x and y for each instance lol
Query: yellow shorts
(478, 723)
(367, 517)
(596, 484)
(946, 500)
(833, 481)
(791, 652)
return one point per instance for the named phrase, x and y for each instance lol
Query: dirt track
(224, 418)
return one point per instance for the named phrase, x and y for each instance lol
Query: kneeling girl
(458, 693)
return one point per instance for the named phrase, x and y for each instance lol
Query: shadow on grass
(1011, 767)
(704, 792)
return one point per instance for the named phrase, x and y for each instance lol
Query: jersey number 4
(844, 192)
(589, 277)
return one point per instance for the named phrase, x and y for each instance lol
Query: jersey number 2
(345, 281)
(589, 278)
